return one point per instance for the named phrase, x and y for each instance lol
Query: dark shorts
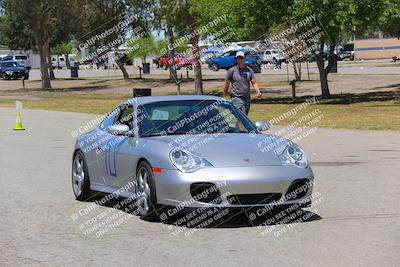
(242, 103)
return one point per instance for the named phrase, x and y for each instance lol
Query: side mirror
(118, 129)
(262, 126)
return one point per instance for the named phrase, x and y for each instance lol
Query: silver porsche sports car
(189, 152)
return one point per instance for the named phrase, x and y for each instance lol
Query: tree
(191, 18)
(142, 47)
(167, 17)
(239, 19)
(336, 17)
(104, 27)
(29, 25)
(246, 20)
(389, 21)
(35, 19)
(62, 49)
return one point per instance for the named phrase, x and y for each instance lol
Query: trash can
(334, 66)
(146, 68)
(137, 92)
(74, 71)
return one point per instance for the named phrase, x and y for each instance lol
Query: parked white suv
(23, 60)
(272, 56)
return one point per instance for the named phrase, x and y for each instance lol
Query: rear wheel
(146, 193)
(80, 177)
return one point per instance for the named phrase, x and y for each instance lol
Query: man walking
(240, 76)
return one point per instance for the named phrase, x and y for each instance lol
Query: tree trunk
(323, 77)
(67, 63)
(198, 77)
(123, 69)
(43, 69)
(43, 61)
(171, 54)
(50, 66)
(323, 72)
(297, 70)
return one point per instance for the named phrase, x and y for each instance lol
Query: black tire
(214, 67)
(26, 76)
(151, 214)
(84, 193)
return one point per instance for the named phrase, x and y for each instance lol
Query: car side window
(233, 53)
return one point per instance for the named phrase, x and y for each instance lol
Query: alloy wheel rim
(143, 191)
(78, 175)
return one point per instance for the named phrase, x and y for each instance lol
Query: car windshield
(10, 64)
(191, 117)
(21, 58)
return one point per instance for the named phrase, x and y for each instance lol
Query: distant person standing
(240, 76)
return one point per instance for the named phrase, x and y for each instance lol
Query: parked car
(12, 70)
(227, 60)
(59, 61)
(273, 56)
(23, 60)
(192, 152)
(344, 54)
(180, 62)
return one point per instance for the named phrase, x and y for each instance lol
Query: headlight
(293, 155)
(185, 161)
(9, 72)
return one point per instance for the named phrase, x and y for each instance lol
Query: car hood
(13, 69)
(227, 150)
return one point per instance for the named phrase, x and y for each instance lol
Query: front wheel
(214, 67)
(80, 177)
(146, 193)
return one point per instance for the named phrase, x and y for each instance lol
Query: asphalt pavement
(355, 222)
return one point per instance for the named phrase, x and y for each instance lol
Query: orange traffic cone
(18, 122)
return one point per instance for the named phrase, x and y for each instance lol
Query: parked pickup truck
(180, 62)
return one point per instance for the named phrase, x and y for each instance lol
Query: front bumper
(15, 75)
(173, 188)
